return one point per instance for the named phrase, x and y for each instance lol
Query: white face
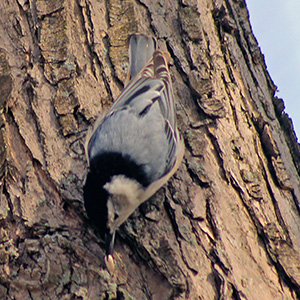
(111, 215)
(125, 194)
(116, 205)
(121, 185)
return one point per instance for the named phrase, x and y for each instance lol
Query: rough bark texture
(227, 226)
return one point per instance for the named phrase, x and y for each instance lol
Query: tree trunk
(226, 226)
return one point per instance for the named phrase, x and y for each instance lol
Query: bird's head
(124, 198)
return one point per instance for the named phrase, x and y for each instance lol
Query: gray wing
(141, 123)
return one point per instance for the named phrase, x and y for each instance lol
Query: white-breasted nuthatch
(136, 147)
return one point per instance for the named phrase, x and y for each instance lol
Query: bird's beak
(109, 259)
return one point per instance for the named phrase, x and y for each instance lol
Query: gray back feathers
(142, 123)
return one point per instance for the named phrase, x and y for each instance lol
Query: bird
(135, 148)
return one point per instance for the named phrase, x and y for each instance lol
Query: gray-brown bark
(227, 226)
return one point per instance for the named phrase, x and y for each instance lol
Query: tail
(141, 48)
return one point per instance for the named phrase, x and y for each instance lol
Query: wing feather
(150, 86)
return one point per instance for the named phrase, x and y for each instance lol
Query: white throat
(121, 185)
(124, 198)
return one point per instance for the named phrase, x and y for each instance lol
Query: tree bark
(226, 226)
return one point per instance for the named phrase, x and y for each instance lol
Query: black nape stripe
(102, 168)
(108, 164)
